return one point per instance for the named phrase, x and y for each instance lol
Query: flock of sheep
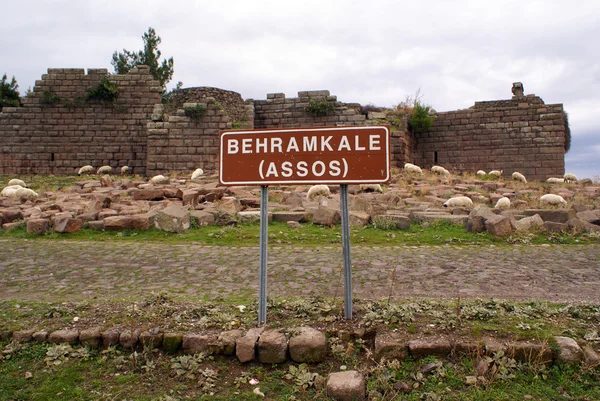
(504, 202)
(18, 189)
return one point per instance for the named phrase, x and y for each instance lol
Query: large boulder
(555, 215)
(65, 223)
(173, 218)
(477, 218)
(529, 223)
(498, 226)
(325, 216)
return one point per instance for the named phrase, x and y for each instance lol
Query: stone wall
(232, 102)
(521, 134)
(277, 111)
(57, 130)
(180, 143)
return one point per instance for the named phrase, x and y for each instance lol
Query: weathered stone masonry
(59, 138)
(521, 134)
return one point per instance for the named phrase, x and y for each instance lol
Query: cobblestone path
(62, 270)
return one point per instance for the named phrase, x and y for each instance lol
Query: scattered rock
(173, 219)
(65, 223)
(346, 386)
(498, 226)
(568, 350)
(38, 226)
(325, 216)
(529, 223)
(202, 218)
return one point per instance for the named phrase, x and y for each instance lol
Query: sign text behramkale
(335, 155)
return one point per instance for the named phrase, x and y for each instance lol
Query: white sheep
(516, 176)
(440, 171)
(552, 199)
(503, 203)
(10, 190)
(125, 170)
(317, 190)
(497, 173)
(459, 201)
(104, 170)
(371, 188)
(25, 194)
(159, 179)
(197, 173)
(481, 173)
(16, 181)
(86, 170)
(570, 177)
(411, 168)
(554, 180)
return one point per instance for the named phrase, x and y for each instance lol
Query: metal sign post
(346, 251)
(300, 156)
(264, 240)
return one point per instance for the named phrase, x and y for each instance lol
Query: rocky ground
(117, 203)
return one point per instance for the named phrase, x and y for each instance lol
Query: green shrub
(195, 112)
(49, 98)
(104, 91)
(420, 119)
(319, 108)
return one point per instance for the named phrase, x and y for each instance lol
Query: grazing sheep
(10, 190)
(159, 179)
(554, 180)
(411, 168)
(86, 170)
(371, 188)
(16, 181)
(497, 173)
(516, 176)
(552, 199)
(481, 173)
(125, 170)
(197, 173)
(104, 170)
(317, 190)
(25, 194)
(459, 201)
(570, 177)
(503, 203)
(440, 170)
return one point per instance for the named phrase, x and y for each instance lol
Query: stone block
(172, 342)
(390, 346)
(245, 347)
(326, 217)
(308, 345)
(498, 226)
(91, 337)
(272, 347)
(195, 343)
(531, 353)
(64, 336)
(38, 226)
(568, 351)
(173, 219)
(427, 347)
(110, 338)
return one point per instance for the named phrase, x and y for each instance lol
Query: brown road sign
(329, 155)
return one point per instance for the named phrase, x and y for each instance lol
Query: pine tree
(9, 94)
(150, 55)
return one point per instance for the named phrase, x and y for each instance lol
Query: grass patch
(311, 235)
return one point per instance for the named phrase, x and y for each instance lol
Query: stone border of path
(308, 345)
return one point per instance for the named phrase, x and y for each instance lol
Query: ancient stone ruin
(58, 129)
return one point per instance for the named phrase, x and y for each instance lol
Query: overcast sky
(456, 52)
